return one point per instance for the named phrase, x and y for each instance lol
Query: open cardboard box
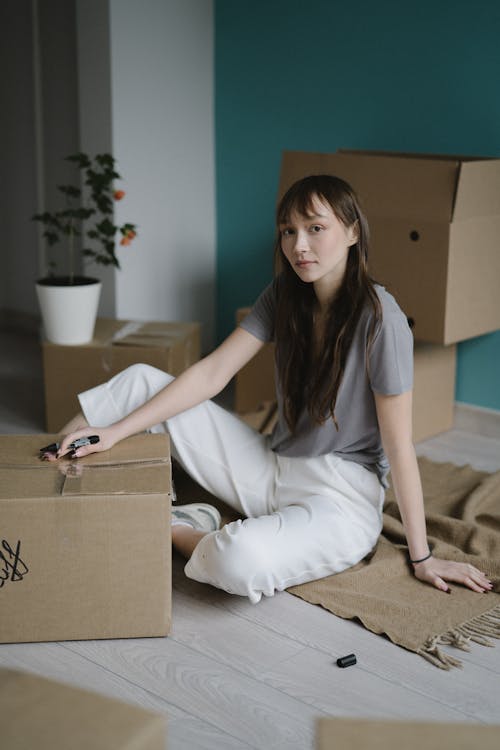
(433, 390)
(85, 546)
(69, 370)
(435, 228)
(39, 713)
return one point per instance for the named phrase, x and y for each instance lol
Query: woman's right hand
(106, 439)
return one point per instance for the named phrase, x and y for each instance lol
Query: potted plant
(84, 227)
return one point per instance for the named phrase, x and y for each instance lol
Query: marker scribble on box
(12, 568)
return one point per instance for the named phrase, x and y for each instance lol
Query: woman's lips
(304, 263)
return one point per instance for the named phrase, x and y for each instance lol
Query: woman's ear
(353, 233)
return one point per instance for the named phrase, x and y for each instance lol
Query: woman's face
(317, 247)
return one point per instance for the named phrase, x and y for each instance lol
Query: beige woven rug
(463, 522)
(462, 508)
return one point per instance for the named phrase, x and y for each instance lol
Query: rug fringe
(436, 656)
(479, 629)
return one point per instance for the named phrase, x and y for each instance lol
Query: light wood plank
(234, 675)
(232, 702)
(318, 629)
(459, 695)
(56, 662)
(227, 638)
(191, 734)
(483, 453)
(357, 691)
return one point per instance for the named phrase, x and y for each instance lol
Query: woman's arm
(200, 382)
(394, 415)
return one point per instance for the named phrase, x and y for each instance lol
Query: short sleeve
(390, 368)
(260, 320)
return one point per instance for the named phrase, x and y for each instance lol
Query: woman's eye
(286, 232)
(316, 228)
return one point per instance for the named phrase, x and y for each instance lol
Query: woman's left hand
(437, 572)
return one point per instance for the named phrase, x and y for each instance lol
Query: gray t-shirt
(390, 372)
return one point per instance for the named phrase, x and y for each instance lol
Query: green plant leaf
(105, 160)
(51, 237)
(81, 159)
(84, 213)
(95, 200)
(106, 227)
(104, 204)
(70, 190)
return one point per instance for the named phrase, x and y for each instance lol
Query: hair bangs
(300, 199)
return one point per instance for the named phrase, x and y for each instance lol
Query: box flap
(104, 330)
(138, 333)
(23, 450)
(478, 191)
(413, 155)
(162, 334)
(42, 713)
(138, 465)
(126, 479)
(389, 185)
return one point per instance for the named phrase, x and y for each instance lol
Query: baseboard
(477, 419)
(18, 321)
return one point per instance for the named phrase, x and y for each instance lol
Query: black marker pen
(80, 442)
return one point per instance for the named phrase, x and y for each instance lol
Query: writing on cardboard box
(12, 567)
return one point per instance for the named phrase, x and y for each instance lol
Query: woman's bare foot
(185, 539)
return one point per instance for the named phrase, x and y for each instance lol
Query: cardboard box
(433, 390)
(39, 713)
(254, 383)
(85, 547)
(117, 344)
(435, 229)
(434, 370)
(363, 734)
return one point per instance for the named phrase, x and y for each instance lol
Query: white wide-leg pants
(305, 518)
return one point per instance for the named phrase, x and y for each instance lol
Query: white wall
(38, 127)
(163, 135)
(134, 77)
(160, 127)
(18, 195)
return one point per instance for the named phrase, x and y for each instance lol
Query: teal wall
(324, 74)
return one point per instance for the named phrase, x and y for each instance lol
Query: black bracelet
(414, 562)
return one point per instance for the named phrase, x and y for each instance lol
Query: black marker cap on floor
(346, 661)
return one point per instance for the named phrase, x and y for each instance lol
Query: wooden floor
(234, 675)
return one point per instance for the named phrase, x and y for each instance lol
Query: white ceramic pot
(68, 311)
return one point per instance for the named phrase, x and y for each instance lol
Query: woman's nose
(300, 245)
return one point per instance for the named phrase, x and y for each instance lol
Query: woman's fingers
(80, 443)
(437, 572)
(439, 583)
(471, 584)
(469, 576)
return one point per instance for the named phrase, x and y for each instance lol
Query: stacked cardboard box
(85, 544)
(433, 391)
(435, 224)
(39, 713)
(69, 370)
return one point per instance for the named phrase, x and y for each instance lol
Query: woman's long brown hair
(311, 380)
